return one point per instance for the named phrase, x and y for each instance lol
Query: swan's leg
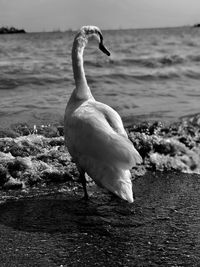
(83, 181)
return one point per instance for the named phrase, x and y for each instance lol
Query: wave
(10, 83)
(193, 119)
(146, 76)
(153, 62)
(147, 62)
(143, 76)
(169, 147)
(158, 62)
(194, 58)
(163, 147)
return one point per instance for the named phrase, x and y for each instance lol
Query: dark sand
(58, 228)
(47, 223)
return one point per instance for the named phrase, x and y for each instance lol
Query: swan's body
(94, 132)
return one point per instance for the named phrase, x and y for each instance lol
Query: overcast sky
(39, 15)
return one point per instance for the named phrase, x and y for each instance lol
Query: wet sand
(58, 228)
(47, 223)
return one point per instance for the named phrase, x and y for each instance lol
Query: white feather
(94, 132)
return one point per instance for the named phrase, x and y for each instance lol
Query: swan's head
(95, 32)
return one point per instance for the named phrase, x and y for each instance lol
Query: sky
(47, 15)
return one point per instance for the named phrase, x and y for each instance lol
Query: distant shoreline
(11, 30)
(197, 25)
(113, 29)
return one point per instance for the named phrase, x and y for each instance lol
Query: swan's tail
(125, 192)
(115, 180)
(120, 184)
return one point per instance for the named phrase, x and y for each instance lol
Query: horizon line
(111, 29)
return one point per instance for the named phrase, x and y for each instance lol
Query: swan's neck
(82, 90)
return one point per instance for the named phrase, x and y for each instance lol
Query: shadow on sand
(162, 227)
(55, 213)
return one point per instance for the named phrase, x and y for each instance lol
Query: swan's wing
(90, 133)
(115, 121)
(112, 117)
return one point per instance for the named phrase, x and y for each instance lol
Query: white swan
(94, 132)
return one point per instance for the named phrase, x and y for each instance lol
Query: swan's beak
(104, 49)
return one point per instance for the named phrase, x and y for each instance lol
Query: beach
(56, 227)
(44, 220)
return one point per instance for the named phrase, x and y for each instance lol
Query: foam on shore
(36, 155)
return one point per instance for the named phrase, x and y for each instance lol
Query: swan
(94, 133)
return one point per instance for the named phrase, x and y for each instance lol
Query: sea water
(152, 74)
